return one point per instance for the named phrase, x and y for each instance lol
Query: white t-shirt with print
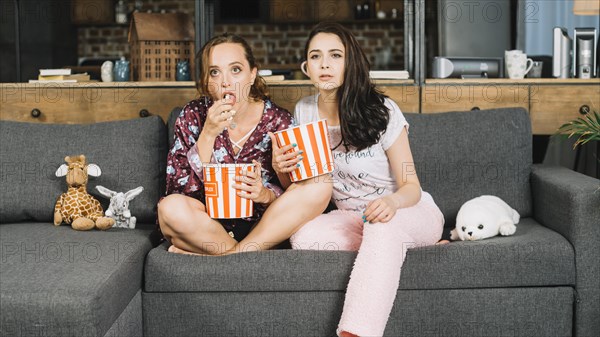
(359, 177)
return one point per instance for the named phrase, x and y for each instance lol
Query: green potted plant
(586, 128)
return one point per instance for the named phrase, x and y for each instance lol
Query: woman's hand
(381, 210)
(251, 187)
(283, 162)
(218, 117)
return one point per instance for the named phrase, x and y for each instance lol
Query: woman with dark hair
(229, 124)
(382, 210)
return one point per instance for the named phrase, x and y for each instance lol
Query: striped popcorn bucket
(222, 201)
(313, 139)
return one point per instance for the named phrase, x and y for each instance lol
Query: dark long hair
(259, 88)
(363, 114)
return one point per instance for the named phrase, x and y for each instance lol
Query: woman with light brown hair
(232, 122)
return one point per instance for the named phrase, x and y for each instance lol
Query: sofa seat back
(130, 153)
(462, 155)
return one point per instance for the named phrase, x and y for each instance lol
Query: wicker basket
(158, 42)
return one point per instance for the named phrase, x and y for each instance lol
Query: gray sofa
(54, 281)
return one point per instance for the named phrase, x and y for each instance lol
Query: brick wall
(284, 43)
(272, 43)
(110, 41)
(107, 42)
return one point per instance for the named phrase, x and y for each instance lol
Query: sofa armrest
(569, 203)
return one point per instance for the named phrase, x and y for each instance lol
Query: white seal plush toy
(484, 217)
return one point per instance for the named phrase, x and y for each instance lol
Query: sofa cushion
(534, 256)
(462, 155)
(56, 281)
(271, 270)
(130, 153)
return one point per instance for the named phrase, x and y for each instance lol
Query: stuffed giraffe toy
(76, 207)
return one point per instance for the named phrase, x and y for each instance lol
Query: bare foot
(347, 334)
(173, 249)
(442, 242)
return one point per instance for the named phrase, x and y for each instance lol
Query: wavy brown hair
(259, 89)
(363, 114)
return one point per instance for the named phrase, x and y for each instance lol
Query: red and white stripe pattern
(222, 201)
(313, 139)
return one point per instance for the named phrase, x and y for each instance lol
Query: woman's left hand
(251, 187)
(284, 162)
(381, 210)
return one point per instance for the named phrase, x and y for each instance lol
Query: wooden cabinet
(404, 92)
(333, 10)
(550, 102)
(92, 11)
(406, 96)
(286, 11)
(76, 103)
(89, 103)
(291, 11)
(552, 105)
(442, 97)
(388, 6)
(286, 96)
(311, 11)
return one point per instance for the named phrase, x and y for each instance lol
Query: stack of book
(268, 76)
(60, 75)
(389, 74)
(273, 78)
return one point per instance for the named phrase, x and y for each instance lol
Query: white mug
(517, 65)
(512, 52)
(106, 71)
(508, 54)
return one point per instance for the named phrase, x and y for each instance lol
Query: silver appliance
(468, 28)
(467, 67)
(584, 53)
(561, 53)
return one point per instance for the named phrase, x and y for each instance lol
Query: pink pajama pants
(381, 249)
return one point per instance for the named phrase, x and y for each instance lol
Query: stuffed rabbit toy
(119, 206)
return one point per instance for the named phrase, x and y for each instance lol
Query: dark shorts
(237, 228)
